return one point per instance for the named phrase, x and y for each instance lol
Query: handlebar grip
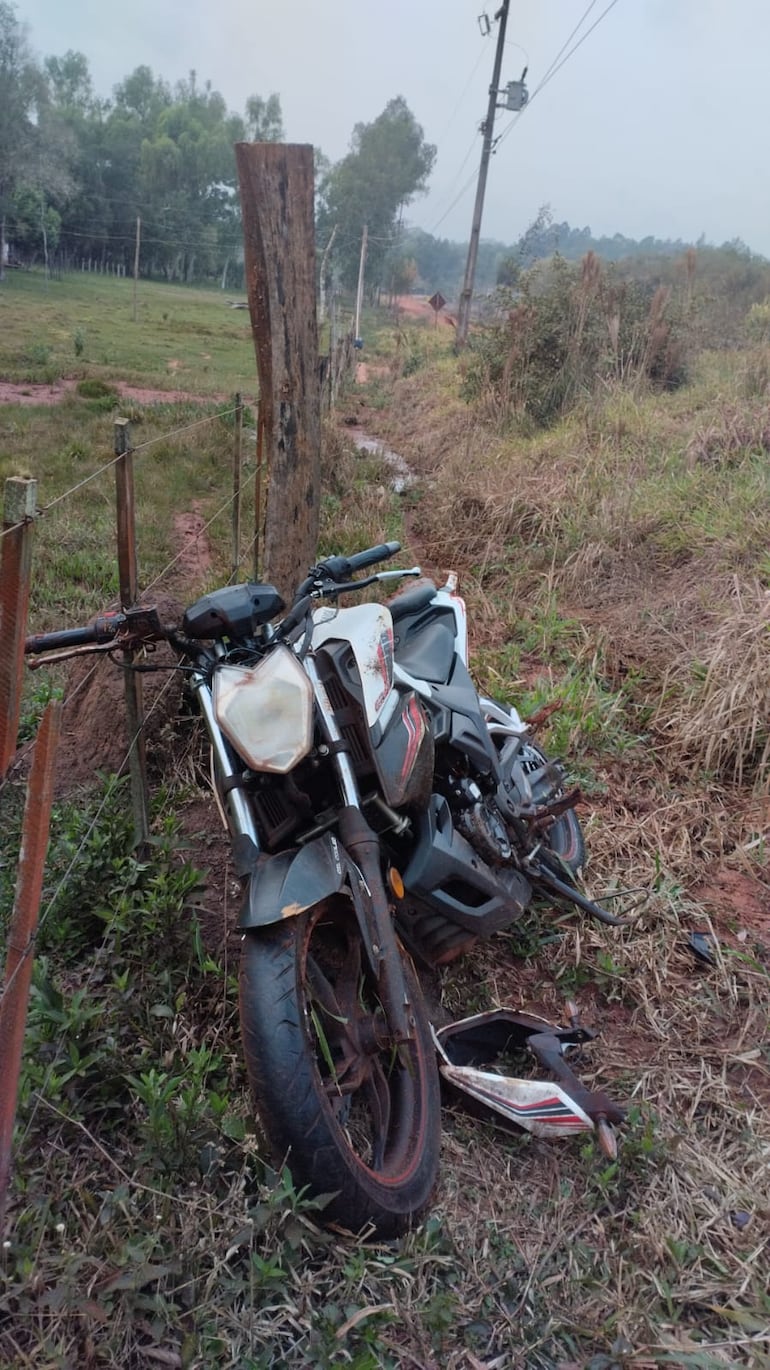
(103, 629)
(372, 555)
(342, 568)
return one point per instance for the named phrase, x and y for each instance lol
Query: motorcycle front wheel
(351, 1113)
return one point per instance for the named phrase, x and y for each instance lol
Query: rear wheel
(354, 1114)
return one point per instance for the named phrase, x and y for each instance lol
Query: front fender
(284, 885)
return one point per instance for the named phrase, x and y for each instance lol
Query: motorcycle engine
(483, 826)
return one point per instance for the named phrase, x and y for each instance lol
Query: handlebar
(138, 626)
(103, 629)
(141, 624)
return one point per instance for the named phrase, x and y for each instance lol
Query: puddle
(402, 478)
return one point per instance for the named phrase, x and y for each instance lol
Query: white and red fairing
(393, 714)
(369, 630)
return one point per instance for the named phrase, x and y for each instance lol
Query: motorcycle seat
(411, 601)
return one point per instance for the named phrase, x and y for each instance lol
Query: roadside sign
(437, 301)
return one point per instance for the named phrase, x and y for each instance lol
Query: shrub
(565, 332)
(94, 389)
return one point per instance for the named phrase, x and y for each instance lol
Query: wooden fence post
(259, 495)
(15, 568)
(127, 572)
(276, 187)
(237, 460)
(26, 905)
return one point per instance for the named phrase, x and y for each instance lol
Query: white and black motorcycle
(380, 811)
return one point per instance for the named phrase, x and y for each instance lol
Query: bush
(566, 331)
(94, 389)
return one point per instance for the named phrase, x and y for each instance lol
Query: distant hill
(441, 263)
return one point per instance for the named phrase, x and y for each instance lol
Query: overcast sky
(657, 125)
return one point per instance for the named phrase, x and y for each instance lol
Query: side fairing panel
(369, 630)
(405, 755)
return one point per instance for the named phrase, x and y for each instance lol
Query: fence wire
(140, 447)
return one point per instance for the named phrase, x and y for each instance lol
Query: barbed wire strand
(24, 751)
(230, 500)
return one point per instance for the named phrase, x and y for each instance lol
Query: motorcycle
(382, 812)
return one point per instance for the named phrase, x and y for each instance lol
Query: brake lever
(36, 663)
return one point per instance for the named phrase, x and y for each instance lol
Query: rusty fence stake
(19, 508)
(127, 572)
(21, 933)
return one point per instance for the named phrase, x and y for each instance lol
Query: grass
(82, 325)
(600, 564)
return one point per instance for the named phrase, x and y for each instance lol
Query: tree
(388, 164)
(21, 86)
(264, 120)
(69, 82)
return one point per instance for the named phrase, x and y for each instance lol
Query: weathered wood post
(127, 572)
(276, 186)
(21, 933)
(19, 507)
(237, 464)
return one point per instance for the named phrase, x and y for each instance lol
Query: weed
(36, 699)
(93, 388)
(37, 354)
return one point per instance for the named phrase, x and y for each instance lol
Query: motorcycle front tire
(352, 1115)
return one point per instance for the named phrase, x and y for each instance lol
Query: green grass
(82, 325)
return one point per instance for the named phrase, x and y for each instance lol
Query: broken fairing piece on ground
(472, 1051)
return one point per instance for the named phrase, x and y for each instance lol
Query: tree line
(77, 171)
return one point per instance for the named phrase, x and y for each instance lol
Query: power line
(456, 178)
(551, 71)
(557, 65)
(461, 97)
(567, 41)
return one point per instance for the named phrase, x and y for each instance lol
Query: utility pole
(464, 312)
(324, 259)
(136, 259)
(360, 291)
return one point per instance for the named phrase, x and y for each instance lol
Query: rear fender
(287, 884)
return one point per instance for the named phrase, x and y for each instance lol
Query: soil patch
(417, 307)
(93, 733)
(740, 903)
(35, 393)
(218, 900)
(194, 559)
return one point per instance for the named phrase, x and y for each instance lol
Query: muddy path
(40, 393)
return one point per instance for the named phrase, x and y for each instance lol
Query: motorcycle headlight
(266, 711)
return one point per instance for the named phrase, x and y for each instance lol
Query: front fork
(241, 817)
(359, 840)
(363, 846)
